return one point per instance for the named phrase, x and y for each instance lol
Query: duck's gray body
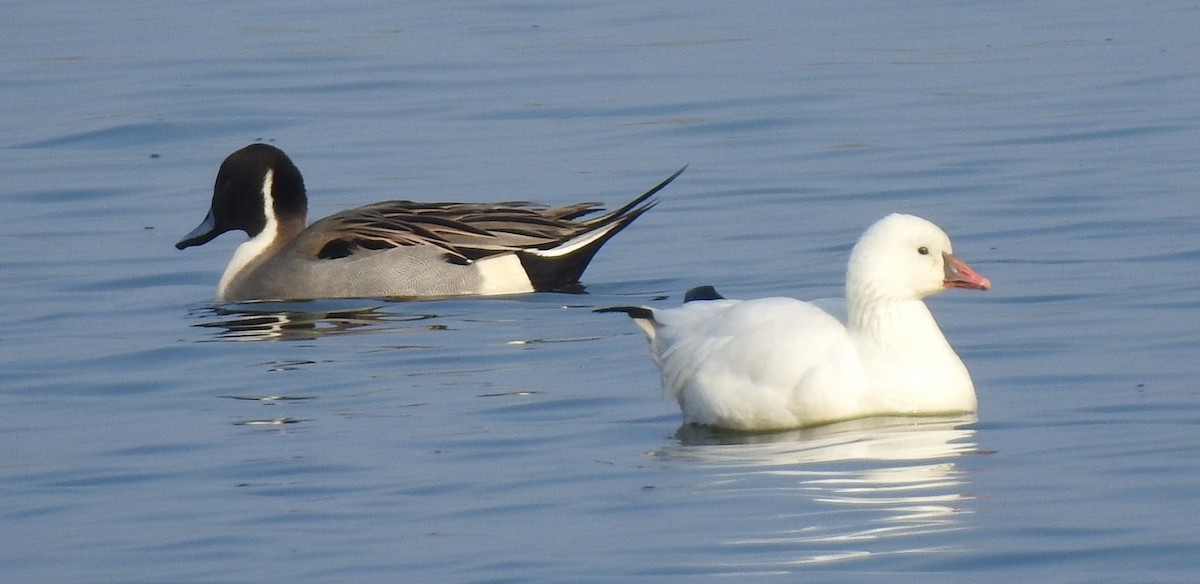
(405, 272)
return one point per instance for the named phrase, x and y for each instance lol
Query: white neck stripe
(250, 250)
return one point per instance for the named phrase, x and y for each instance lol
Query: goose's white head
(903, 257)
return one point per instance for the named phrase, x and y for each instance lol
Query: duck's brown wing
(464, 231)
(555, 243)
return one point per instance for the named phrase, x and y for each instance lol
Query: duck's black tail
(558, 267)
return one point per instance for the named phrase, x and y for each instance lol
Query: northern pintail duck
(393, 248)
(780, 363)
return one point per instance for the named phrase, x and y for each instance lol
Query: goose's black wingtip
(702, 293)
(637, 312)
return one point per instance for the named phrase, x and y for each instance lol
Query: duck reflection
(300, 321)
(865, 487)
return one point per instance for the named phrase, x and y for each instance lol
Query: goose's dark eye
(923, 250)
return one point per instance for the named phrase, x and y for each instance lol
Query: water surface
(150, 435)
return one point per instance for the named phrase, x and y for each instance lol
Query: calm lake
(148, 434)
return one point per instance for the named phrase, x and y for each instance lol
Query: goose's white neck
(897, 325)
(256, 247)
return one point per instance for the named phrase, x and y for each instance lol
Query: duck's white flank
(258, 244)
(502, 274)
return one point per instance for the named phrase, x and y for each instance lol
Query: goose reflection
(300, 321)
(864, 488)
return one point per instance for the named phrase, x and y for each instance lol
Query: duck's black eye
(923, 250)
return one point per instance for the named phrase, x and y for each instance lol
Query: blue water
(150, 435)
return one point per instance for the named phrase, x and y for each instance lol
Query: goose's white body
(779, 363)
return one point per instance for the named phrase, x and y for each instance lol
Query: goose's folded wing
(741, 354)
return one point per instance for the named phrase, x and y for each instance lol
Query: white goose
(780, 363)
